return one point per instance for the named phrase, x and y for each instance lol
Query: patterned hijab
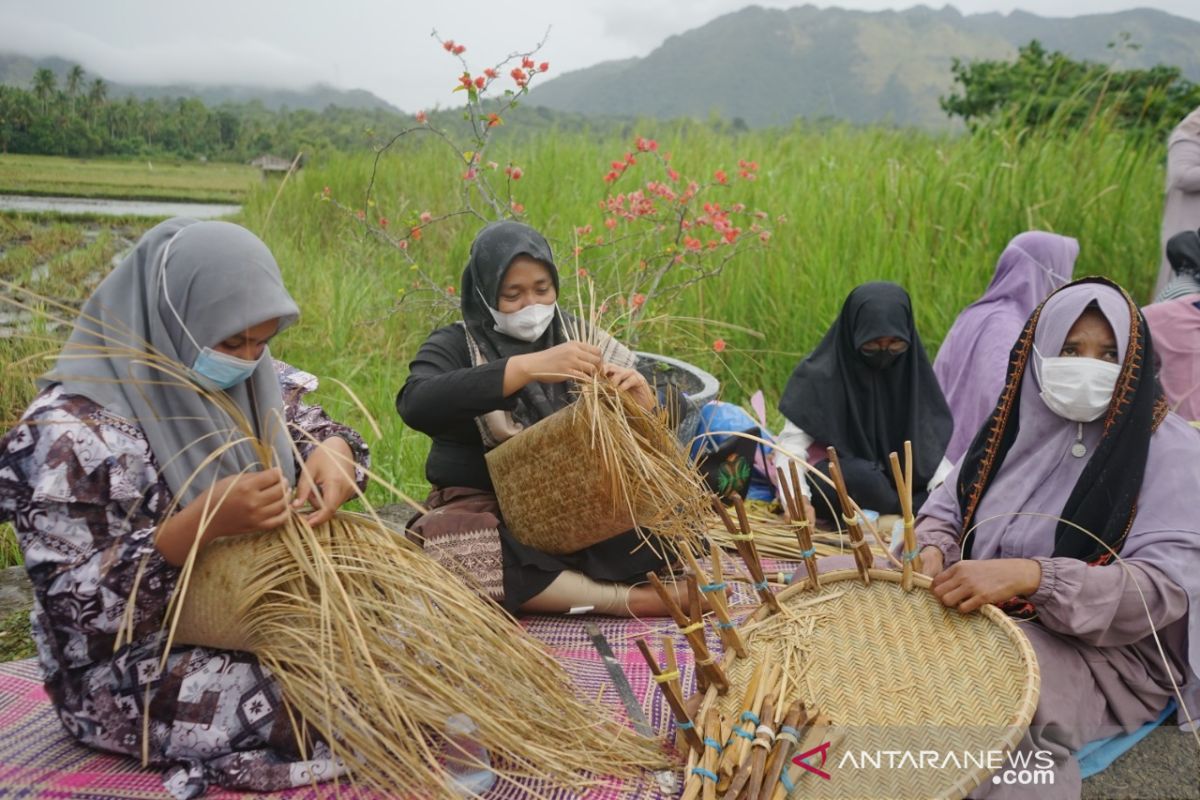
(1023, 448)
(215, 279)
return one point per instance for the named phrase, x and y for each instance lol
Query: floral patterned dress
(81, 487)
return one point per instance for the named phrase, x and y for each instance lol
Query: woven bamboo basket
(554, 489)
(894, 671)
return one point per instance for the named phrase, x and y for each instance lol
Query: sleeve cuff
(1049, 582)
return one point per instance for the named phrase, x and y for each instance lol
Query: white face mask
(1075, 388)
(528, 324)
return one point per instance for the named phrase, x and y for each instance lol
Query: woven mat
(39, 760)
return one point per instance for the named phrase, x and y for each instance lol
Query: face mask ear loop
(162, 276)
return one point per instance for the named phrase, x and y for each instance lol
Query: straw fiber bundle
(862, 654)
(593, 470)
(374, 645)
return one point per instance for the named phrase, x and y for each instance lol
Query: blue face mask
(211, 369)
(214, 370)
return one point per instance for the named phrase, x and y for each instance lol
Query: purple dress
(1093, 619)
(82, 489)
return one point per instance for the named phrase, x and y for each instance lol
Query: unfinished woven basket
(553, 487)
(894, 671)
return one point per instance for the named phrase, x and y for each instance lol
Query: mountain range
(761, 67)
(768, 66)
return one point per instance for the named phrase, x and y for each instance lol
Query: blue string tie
(713, 743)
(809, 553)
(686, 725)
(705, 773)
(761, 586)
(726, 625)
(787, 781)
(713, 587)
(910, 555)
(749, 737)
(750, 716)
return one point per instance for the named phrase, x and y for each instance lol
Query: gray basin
(672, 377)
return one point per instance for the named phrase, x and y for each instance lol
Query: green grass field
(931, 213)
(149, 179)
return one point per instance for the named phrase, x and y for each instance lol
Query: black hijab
(836, 396)
(1183, 253)
(492, 252)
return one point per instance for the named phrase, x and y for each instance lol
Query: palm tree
(43, 85)
(96, 96)
(74, 81)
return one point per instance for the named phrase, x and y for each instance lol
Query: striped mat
(39, 760)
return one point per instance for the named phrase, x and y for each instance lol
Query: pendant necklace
(1079, 449)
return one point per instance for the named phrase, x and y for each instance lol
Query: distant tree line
(76, 117)
(1041, 89)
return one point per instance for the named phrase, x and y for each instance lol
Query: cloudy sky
(385, 46)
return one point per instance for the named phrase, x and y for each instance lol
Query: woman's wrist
(516, 374)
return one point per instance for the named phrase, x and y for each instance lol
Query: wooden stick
(697, 782)
(672, 666)
(781, 754)
(818, 733)
(910, 544)
(793, 502)
(745, 546)
(706, 665)
(683, 722)
(862, 552)
(714, 588)
(763, 741)
(729, 761)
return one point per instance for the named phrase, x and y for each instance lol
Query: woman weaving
(475, 384)
(126, 423)
(1079, 463)
(865, 389)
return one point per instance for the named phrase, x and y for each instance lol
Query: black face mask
(880, 359)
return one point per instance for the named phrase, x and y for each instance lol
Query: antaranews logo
(1019, 768)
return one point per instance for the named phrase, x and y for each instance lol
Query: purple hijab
(1039, 473)
(971, 362)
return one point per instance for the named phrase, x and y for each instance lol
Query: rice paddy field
(844, 206)
(144, 179)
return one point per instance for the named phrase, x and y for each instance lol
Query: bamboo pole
(714, 587)
(818, 732)
(701, 779)
(745, 546)
(786, 739)
(794, 505)
(666, 680)
(728, 759)
(764, 739)
(904, 484)
(862, 549)
(706, 665)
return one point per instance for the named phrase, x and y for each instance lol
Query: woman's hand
(968, 585)
(567, 361)
(632, 382)
(931, 561)
(236, 504)
(326, 480)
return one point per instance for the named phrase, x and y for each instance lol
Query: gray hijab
(220, 280)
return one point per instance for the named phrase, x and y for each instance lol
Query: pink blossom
(426, 217)
(719, 345)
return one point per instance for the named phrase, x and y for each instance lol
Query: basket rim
(1023, 715)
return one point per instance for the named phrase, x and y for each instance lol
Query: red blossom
(480, 82)
(426, 217)
(448, 45)
(465, 79)
(459, 49)
(422, 118)
(581, 272)
(383, 222)
(491, 73)
(360, 214)
(672, 174)
(611, 177)
(645, 145)
(494, 120)
(638, 300)
(469, 175)
(583, 230)
(544, 66)
(719, 345)
(514, 172)
(527, 62)
(610, 223)
(691, 243)
(517, 207)
(450, 290)
(402, 244)
(721, 177)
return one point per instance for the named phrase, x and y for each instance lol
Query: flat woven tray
(897, 673)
